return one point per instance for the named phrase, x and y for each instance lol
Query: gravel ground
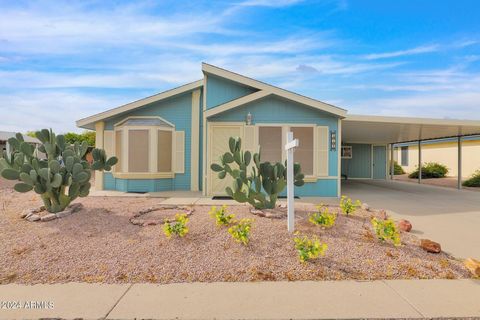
(99, 244)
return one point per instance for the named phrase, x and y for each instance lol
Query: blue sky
(61, 61)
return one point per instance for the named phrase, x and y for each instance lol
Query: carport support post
(392, 167)
(419, 161)
(459, 185)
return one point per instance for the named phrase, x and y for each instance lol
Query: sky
(64, 60)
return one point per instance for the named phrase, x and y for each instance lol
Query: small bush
(473, 181)
(386, 230)
(323, 217)
(430, 170)
(397, 169)
(178, 227)
(309, 248)
(348, 206)
(221, 216)
(240, 231)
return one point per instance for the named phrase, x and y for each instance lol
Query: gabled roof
(5, 135)
(267, 89)
(89, 122)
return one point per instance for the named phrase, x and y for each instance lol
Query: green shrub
(221, 216)
(473, 181)
(348, 206)
(177, 227)
(386, 230)
(430, 170)
(323, 217)
(309, 248)
(397, 169)
(240, 231)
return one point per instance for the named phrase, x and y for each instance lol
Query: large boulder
(430, 246)
(404, 225)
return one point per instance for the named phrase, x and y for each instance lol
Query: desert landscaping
(100, 243)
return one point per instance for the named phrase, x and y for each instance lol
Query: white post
(289, 147)
(459, 186)
(392, 166)
(419, 161)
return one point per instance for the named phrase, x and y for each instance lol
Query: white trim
(237, 102)
(408, 120)
(99, 128)
(195, 141)
(120, 123)
(207, 68)
(87, 122)
(339, 157)
(204, 138)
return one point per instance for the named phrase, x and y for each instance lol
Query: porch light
(249, 119)
(333, 140)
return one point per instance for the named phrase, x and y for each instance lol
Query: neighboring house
(443, 151)
(5, 135)
(168, 141)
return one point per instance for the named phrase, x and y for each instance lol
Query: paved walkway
(253, 300)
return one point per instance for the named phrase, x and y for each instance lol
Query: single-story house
(443, 151)
(168, 141)
(5, 135)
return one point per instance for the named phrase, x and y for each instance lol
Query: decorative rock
(63, 213)
(365, 206)
(405, 225)
(49, 217)
(150, 223)
(33, 217)
(473, 265)
(430, 246)
(26, 213)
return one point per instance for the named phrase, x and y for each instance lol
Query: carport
(377, 134)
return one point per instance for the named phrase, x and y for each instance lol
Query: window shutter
(249, 142)
(322, 151)
(179, 152)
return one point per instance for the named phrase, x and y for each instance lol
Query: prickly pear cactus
(60, 178)
(265, 182)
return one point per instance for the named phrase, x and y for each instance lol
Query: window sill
(143, 175)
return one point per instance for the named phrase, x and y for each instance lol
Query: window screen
(304, 152)
(138, 153)
(164, 156)
(405, 156)
(270, 141)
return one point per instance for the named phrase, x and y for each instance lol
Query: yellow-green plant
(323, 217)
(348, 206)
(309, 248)
(221, 215)
(240, 231)
(177, 227)
(386, 230)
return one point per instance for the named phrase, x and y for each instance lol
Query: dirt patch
(99, 244)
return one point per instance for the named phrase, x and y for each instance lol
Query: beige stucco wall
(445, 153)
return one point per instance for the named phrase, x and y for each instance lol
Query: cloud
(408, 52)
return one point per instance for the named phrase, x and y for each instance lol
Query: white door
(218, 144)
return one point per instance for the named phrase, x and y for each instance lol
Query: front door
(379, 162)
(219, 135)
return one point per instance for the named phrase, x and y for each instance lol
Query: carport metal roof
(386, 130)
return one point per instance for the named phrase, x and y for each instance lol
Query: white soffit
(383, 130)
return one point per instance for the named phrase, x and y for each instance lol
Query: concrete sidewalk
(252, 300)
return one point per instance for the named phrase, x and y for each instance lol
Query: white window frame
(152, 173)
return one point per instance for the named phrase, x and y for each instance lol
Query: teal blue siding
(282, 111)
(137, 185)
(379, 162)
(360, 166)
(200, 165)
(220, 90)
(177, 110)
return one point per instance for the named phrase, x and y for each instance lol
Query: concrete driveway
(448, 216)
